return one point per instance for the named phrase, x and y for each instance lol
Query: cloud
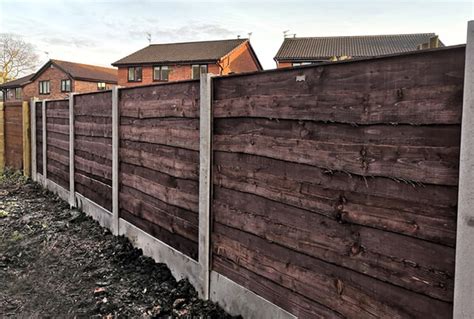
(68, 41)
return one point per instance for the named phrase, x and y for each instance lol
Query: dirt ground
(57, 262)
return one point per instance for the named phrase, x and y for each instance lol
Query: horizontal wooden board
(98, 146)
(182, 244)
(348, 293)
(171, 190)
(177, 132)
(423, 211)
(413, 89)
(177, 162)
(425, 164)
(93, 189)
(173, 100)
(98, 104)
(407, 262)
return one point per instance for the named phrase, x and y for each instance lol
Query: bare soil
(57, 262)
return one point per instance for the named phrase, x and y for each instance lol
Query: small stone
(178, 302)
(99, 290)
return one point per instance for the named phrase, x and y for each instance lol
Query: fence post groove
(205, 166)
(72, 191)
(44, 143)
(33, 139)
(115, 161)
(464, 279)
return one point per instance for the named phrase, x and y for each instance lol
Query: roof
(185, 52)
(353, 46)
(85, 72)
(18, 82)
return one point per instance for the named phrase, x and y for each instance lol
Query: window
(198, 69)
(43, 87)
(135, 74)
(101, 86)
(161, 73)
(17, 93)
(65, 85)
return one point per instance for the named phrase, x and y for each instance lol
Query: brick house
(57, 78)
(300, 51)
(183, 61)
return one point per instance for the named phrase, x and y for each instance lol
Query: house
(300, 51)
(56, 79)
(183, 61)
(12, 90)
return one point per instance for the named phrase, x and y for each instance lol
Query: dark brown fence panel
(57, 148)
(39, 137)
(14, 135)
(93, 147)
(159, 162)
(335, 187)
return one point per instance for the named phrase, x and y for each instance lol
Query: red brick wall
(177, 73)
(283, 65)
(55, 76)
(239, 60)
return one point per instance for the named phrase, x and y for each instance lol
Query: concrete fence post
(26, 139)
(205, 182)
(72, 191)
(2, 137)
(44, 143)
(464, 272)
(33, 139)
(115, 161)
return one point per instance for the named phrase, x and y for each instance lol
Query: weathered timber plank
(166, 220)
(176, 100)
(349, 293)
(93, 167)
(411, 263)
(289, 300)
(173, 161)
(432, 165)
(94, 190)
(427, 212)
(177, 132)
(93, 129)
(99, 146)
(397, 135)
(178, 192)
(182, 244)
(397, 89)
(97, 104)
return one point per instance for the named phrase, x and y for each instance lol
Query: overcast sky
(101, 32)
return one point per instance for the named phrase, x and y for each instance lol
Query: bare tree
(17, 57)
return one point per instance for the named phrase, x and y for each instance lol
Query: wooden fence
(15, 136)
(333, 192)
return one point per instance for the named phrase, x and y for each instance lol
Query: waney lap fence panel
(57, 137)
(335, 186)
(159, 162)
(13, 135)
(93, 147)
(39, 136)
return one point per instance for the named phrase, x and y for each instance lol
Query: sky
(103, 31)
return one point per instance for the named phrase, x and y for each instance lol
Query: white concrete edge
(33, 138)
(464, 265)
(58, 189)
(180, 265)
(238, 300)
(97, 212)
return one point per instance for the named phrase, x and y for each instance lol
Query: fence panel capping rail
(210, 284)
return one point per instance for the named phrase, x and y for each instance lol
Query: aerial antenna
(148, 37)
(47, 54)
(286, 34)
(238, 36)
(250, 34)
